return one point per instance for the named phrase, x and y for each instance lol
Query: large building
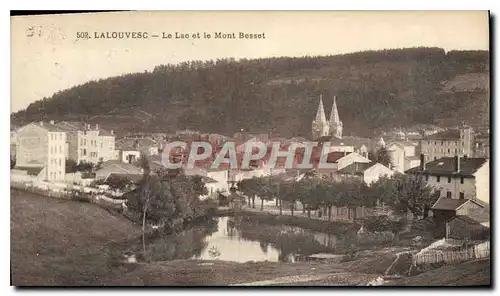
(457, 177)
(42, 146)
(449, 143)
(403, 156)
(321, 127)
(87, 143)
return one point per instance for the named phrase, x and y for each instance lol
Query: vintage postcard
(232, 148)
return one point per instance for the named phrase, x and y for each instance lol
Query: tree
(99, 164)
(71, 166)
(406, 193)
(250, 187)
(85, 167)
(198, 185)
(384, 157)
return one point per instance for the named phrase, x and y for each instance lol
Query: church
(323, 128)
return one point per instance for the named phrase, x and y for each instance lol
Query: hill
(375, 90)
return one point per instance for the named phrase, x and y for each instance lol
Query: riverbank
(332, 227)
(59, 242)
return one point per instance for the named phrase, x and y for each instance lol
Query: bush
(383, 223)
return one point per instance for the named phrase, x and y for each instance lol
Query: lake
(242, 239)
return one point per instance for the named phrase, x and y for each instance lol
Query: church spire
(320, 114)
(334, 116)
(335, 123)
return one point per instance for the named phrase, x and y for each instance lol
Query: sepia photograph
(250, 148)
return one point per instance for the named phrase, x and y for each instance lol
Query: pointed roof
(334, 116)
(320, 114)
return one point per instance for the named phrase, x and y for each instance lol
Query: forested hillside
(374, 89)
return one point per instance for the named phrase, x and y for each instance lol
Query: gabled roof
(32, 171)
(356, 168)
(449, 204)
(453, 204)
(453, 134)
(47, 126)
(446, 166)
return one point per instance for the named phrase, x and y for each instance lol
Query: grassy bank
(332, 227)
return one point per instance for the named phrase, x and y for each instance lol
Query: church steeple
(335, 123)
(320, 114)
(320, 126)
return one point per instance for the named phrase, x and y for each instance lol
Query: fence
(477, 251)
(79, 193)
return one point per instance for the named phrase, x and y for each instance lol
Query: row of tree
(402, 193)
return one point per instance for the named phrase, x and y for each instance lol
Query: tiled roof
(446, 166)
(453, 134)
(48, 126)
(449, 204)
(356, 168)
(32, 171)
(75, 126)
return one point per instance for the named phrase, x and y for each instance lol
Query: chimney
(97, 127)
(457, 163)
(52, 122)
(422, 162)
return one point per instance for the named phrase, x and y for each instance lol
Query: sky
(47, 56)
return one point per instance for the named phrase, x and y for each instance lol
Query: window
(60, 149)
(449, 179)
(462, 180)
(456, 151)
(435, 143)
(462, 195)
(448, 194)
(101, 145)
(448, 150)
(442, 143)
(438, 179)
(84, 151)
(59, 162)
(435, 158)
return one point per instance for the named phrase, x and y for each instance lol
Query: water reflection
(242, 239)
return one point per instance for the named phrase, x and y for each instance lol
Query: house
(129, 151)
(369, 172)
(445, 210)
(449, 143)
(457, 177)
(482, 145)
(338, 161)
(474, 226)
(219, 178)
(118, 168)
(402, 155)
(86, 143)
(41, 145)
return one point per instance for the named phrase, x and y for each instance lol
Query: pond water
(242, 239)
